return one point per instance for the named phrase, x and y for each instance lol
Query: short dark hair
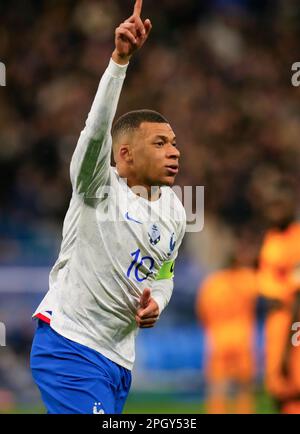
(132, 120)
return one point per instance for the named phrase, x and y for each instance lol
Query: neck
(140, 188)
(148, 192)
(284, 224)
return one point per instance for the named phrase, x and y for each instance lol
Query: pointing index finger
(138, 7)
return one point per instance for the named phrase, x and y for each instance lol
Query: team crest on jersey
(154, 234)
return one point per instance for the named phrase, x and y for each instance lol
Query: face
(280, 212)
(155, 157)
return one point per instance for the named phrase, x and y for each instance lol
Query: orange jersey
(280, 256)
(226, 306)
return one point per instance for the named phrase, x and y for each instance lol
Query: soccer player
(112, 275)
(225, 307)
(280, 285)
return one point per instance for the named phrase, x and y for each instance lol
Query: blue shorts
(73, 378)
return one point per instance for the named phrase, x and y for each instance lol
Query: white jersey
(111, 250)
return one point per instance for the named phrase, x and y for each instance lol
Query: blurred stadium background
(220, 70)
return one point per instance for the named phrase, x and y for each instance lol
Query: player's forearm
(295, 312)
(162, 287)
(161, 292)
(285, 363)
(94, 144)
(105, 103)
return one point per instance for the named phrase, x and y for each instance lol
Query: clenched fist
(148, 312)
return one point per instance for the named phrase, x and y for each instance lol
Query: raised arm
(91, 160)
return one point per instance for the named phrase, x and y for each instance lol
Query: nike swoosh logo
(127, 216)
(172, 243)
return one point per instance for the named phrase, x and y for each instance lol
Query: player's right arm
(295, 317)
(91, 160)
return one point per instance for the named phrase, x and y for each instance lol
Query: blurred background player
(226, 309)
(279, 283)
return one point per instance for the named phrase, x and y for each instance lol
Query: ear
(125, 153)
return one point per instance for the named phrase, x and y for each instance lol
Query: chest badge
(154, 234)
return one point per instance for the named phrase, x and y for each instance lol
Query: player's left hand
(148, 312)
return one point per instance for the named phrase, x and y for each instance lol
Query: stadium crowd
(225, 86)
